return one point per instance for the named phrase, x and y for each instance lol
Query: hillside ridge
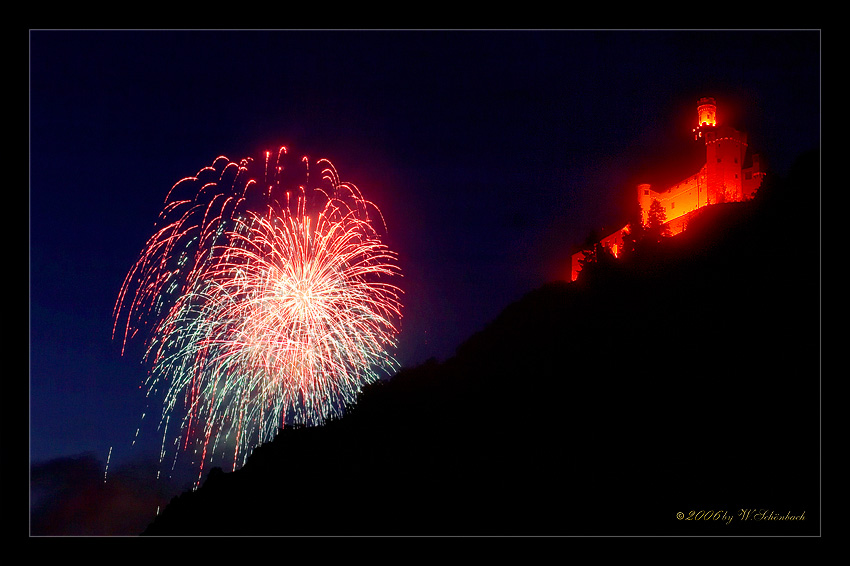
(679, 380)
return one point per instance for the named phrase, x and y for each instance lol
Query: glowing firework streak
(265, 311)
(106, 470)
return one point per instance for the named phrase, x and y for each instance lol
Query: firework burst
(265, 305)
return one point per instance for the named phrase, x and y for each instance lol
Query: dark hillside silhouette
(685, 377)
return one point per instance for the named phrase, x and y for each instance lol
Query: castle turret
(707, 112)
(644, 200)
(706, 116)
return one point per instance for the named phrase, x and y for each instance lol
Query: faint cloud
(69, 497)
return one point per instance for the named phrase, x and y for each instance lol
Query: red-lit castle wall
(723, 178)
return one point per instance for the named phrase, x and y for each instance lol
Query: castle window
(646, 192)
(672, 205)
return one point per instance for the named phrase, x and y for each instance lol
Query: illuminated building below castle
(729, 174)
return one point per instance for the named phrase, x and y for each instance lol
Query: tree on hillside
(634, 234)
(656, 224)
(596, 257)
(589, 249)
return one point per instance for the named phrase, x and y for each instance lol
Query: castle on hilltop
(730, 174)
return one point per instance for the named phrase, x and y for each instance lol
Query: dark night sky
(490, 153)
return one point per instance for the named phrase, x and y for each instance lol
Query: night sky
(490, 153)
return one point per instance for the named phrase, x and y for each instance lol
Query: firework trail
(265, 304)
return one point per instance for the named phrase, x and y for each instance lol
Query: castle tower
(644, 196)
(725, 150)
(706, 112)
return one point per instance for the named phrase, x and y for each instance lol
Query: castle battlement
(729, 174)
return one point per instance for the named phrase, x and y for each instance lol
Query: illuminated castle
(729, 174)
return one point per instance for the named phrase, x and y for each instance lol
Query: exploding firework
(265, 304)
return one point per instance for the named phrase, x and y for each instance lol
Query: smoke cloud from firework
(265, 300)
